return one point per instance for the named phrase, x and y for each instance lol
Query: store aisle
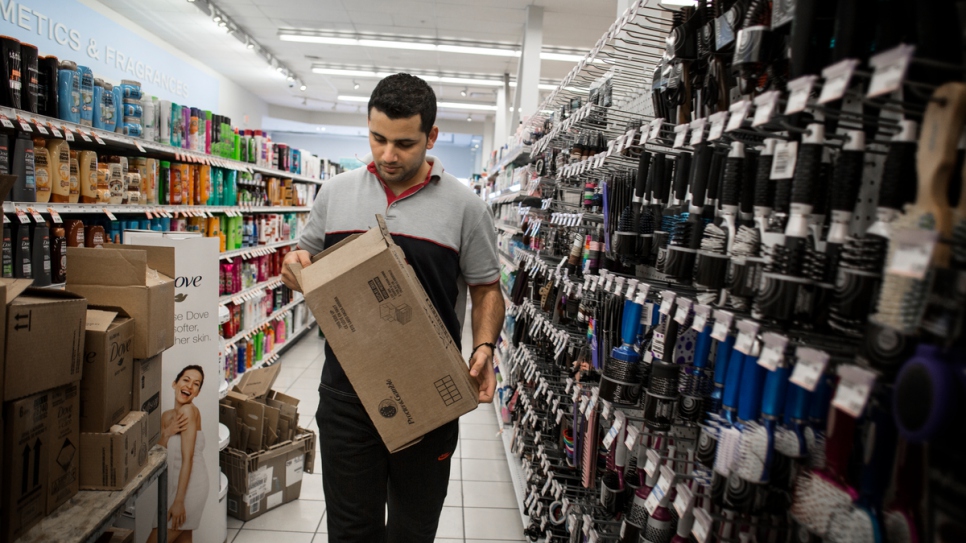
(480, 506)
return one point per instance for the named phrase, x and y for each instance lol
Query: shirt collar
(435, 173)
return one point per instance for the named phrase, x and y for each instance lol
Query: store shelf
(113, 139)
(509, 228)
(271, 357)
(187, 211)
(516, 474)
(90, 512)
(250, 293)
(248, 252)
(252, 329)
(516, 156)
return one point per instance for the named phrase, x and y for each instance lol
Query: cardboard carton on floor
(261, 481)
(146, 395)
(110, 460)
(136, 278)
(44, 339)
(40, 446)
(393, 346)
(108, 368)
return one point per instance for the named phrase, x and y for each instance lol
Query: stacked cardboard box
(268, 452)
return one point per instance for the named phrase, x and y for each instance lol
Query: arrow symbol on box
(21, 317)
(21, 326)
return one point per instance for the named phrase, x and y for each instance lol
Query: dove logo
(183, 282)
(180, 298)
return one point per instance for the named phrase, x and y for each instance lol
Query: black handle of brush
(807, 170)
(900, 166)
(643, 170)
(682, 171)
(733, 169)
(700, 170)
(746, 194)
(764, 187)
(651, 176)
(714, 176)
(662, 187)
(846, 180)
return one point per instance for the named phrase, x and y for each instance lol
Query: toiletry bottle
(68, 92)
(59, 158)
(94, 236)
(97, 117)
(108, 107)
(115, 182)
(87, 177)
(102, 194)
(12, 64)
(86, 95)
(176, 189)
(7, 254)
(4, 154)
(25, 189)
(118, 99)
(204, 185)
(58, 255)
(187, 184)
(21, 253)
(74, 195)
(75, 232)
(208, 121)
(164, 121)
(47, 89)
(30, 76)
(40, 256)
(177, 127)
(150, 192)
(164, 182)
(186, 139)
(132, 182)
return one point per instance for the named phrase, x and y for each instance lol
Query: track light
(216, 18)
(302, 88)
(469, 118)
(463, 92)
(355, 84)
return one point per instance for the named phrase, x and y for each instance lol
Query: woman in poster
(187, 477)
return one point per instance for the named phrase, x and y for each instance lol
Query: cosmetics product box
(108, 368)
(109, 460)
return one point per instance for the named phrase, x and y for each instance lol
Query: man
(448, 237)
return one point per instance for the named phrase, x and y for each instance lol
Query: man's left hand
(481, 368)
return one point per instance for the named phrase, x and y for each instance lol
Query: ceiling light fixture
(302, 88)
(443, 105)
(216, 18)
(355, 84)
(480, 81)
(469, 118)
(463, 92)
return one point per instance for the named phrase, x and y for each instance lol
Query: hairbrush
(899, 519)
(764, 185)
(846, 180)
(927, 393)
(730, 187)
(903, 298)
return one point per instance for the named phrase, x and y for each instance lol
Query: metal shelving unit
(248, 252)
(272, 357)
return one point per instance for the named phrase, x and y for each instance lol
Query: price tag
(701, 314)
(24, 125)
(21, 215)
(765, 105)
(799, 91)
(97, 138)
(667, 302)
(697, 130)
(139, 146)
(702, 525)
(36, 216)
(645, 134)
(855, 385)
(681, 133)
(68, 135)
(683, 499)
(738, 110)
(41, 129)
(653, 461)
(560, 415)
(6, 219)
(837, 78)
(913, 254)
(722, 324)
(718, 121)
(890, 70)
(773, 352)
(615, 430)
(54, 216)
(684, 308)
(5, 121)
(54, 130)
(809, 367)
(570, 383)
(631, 440)
(655, 129)
(87, 139)
(747, 330)
(109, 214)
(786, 157)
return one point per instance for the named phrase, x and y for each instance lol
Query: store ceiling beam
(527, 96)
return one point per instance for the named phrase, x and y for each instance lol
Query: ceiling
(567, 24)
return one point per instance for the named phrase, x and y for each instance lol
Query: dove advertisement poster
(190, 377)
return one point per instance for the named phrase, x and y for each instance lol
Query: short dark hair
(196, 368)
(400, 96)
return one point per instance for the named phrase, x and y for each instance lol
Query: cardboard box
(110, 460)
(40, 441)
(393, 346)
(116, 535)
(146, 395)
(44, 340)
(261, 481)
(136, 278)
(258, 383)
(108, 368)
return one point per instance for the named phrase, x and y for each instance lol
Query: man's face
(398, 146)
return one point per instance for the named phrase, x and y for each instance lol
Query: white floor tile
(486, 470)
(455, 470)
(321, 538)
(494, 540)
(323, 527)
(312, 488)
(261, 536)
(482, 449)
(493, 523)
(234, 523)
(437, 540)
(298, 359)
(488, 494)
(450, 523)
(480, 431)
(296, 516)
(232, 532)
(454, 494)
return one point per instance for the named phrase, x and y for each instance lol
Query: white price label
(88, 140)
(697, 131)
(654, 500)
(54, 130)
(765, 105)
(786, 158)
(5, 121)
(913, 254)
(21, 215)
(645, 133)
(747, 332)
(684, 308)
(722, 324)
(799, 91)
(855, 386)
(24, 125)
(655, 129)
(139, 146)
(683, 499)
(773, 352)
(809, 367)
(702, 525)
(681, 133)
(54, 216)
(718, 121)
(41, 129)
(701, 313)
(667, 302)
(653, 462)
(36, 216)
(68, 135)
(631, 440)
(738, 110)
(837, 79)
(97, 138)
(890, 70)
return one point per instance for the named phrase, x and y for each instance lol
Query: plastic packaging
(7, 253)
(87, 161)
(24, 190)
(132, 192)
(59, 158)
(30, 75)
(22, 257)
(68, 92)
(103, 191)
(86, 78)
(58, 255)
(74, 183)
(164, 121)
(49, 67)
(40, 255)
(115, 182)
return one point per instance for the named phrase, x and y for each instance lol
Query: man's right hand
(300, 256)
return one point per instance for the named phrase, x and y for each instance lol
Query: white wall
(243, 108)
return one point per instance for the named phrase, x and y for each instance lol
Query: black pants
(360, 477)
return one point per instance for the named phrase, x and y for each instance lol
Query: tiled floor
(480, 504)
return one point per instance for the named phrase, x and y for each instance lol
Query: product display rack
(251, 292)
(87, 515)
(248, 252)
(276, 314)
(516, 156)
(271, 357)
(182, 210)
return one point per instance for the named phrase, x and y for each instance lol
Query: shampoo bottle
(25, 189)
(58, 255)
(74, 196)
(59, 158)
(7, 255)
(21, 253)
(68, 92)
(30, 77)
(103, 193)
(86, 79)
(88, 176)
(40, 257)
